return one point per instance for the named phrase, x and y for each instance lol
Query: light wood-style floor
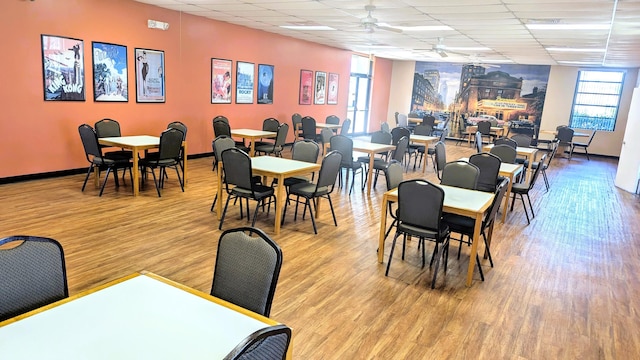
(565, 287)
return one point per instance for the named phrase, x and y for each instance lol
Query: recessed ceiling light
(307, 27)
(568, 26)
(566, 49)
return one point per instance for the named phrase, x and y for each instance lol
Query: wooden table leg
(383, 228)
(507, 194)
(136, 174)
(531, 158)
(280, 194)
(474, 248)
(369, 174)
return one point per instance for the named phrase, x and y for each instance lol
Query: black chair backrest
(460, 174)
(593, 134)
(170, 144)
(270, 124)
(565, 134)
(420, 204)
(429, 120)
(505, 141)
(441, 157)
(522, 140)
(484, 127)
(107, 128)
(296, 120)
(381, 137)
(220, 144)
(329, 171)
(308, 128)
(221, 127)
(32, 274)
(489, 165)
(423, 130)
(332, 119)
(281, 137)
(305, 150)
(325, 135)
(399, 132)
(536, 172)
(89, 142)
(346, 127)
(247, 268)
(394, 174)
(180, 126)
(221, 117)
(269, 343)
(343, 145)
(554, 150)
(401, 148)
(501, 189)
(506, 153)
(237, 169)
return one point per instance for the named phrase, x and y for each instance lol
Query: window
(596, 100)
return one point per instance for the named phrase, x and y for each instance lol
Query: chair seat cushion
(459, 224)
(422, 232)
(308, 190)
(290, 181)
(119, 154)
(260, 191)
(268, 148)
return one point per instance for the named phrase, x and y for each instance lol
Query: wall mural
(464, 93)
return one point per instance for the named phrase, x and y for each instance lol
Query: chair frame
(166, 158)
(525, 191)
(251, 343)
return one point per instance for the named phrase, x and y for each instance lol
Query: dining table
(138, 316)
(465, 202)
(137, 143)
(496, 130)
(271, 167)
(509, 171)
(253, 135)
(423, 140)
(529, 153)
(371, 149)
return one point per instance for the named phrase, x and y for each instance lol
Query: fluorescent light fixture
(579, 63)
(307, 27)
(419, 28)
(562, 49)
(568, 26)
(467, 48)
(376, 46)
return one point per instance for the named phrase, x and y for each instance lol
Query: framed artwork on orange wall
(332, 89)
(306, 87)
(321, 88)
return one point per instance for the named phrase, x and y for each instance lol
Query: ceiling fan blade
(388, 28)
(442, 54)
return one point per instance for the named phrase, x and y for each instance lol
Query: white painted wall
(557, 107)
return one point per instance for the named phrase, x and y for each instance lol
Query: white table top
(505, 168)
(274, 164)
(422, 138)
(519, 150)
(136, 140)
(461, 199)
(253, 133)
(366, 146)
(328, 126)
(140, 318)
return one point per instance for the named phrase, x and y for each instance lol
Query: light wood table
(370, 149)
(274, 167)
(136, 144)
(253, 135)
(530, 153)
(472, 129)
(510, 171)
(423, 140)
(470, 203)
(328, 126)
(140, 316)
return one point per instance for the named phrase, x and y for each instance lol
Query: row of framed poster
(221, 84)
(326, 89)
(63, 71)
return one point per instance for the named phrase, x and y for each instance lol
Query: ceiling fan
(441, 49)
(370, 24)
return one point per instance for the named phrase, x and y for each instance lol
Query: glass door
(359, 90)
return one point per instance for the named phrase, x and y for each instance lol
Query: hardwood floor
(564, 287)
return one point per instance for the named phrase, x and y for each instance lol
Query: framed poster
(332, 92)
(109, 72)
(265, 84)
(244, 82)
(220, 81)
(306, 87)
(321, 87)
(150, 82)
(63, 68)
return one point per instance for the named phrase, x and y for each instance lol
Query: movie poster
(109, 72)
(220, 81)
(321, 87)
(306, 87)
(63, 68)
(332, 92)
(244, 82)
(265, 84)
(150, 77)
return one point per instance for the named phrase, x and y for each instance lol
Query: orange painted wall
(41, 136)
(381, 90)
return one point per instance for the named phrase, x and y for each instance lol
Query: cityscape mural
(461, 92)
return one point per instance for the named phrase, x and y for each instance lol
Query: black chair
(296, 121)
(465, 225)
(168, 156)
(545, 165)
(505, 141)
(221, 127)
(32, 274)
(346, 127)
(460, 174)
(394, 174)
(396, 134)
(275, 147)
(344, 145)
(523, 190)
(425, 130)
(564, 135)
(94, 156)
(506, 153)
(440, 161)
(429, 120)
(238, 173)
(220, 144)
(270, 343)
(247, 268)
(581, 145)
(484, 128)
(420, 214)
(304, 150)
(268, 124)
(398, 154)
(182, 127)
(309, 129)
(522, 140)
(489, 166)
(333, 120)
(111, 128)
(321, 189)
(378, 137)
(325, 137)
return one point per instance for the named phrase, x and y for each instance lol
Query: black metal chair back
(332, 119)
(270, 343)
(489, 166)
(506, 153)
(505, 141)
(221, 127)
(460, 174)
(309, 128)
